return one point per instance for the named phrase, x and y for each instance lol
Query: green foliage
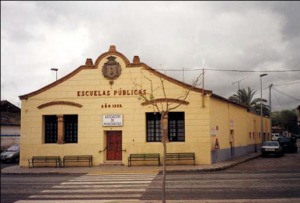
(246, 97)
(286, 119)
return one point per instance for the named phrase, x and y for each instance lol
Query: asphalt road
(268, 179)
(227, 186)
(262, 179)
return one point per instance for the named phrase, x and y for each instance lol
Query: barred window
(153, 127)
(176, 127)
(50, 129)
(70, 132)
(70, 126)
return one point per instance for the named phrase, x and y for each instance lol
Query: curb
(159, 171)
(215, 168)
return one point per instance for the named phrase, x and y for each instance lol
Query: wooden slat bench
(144, 157)
(38, 160)
(78, 158)
(180, 156)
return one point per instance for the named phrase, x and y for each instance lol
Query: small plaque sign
(113, 120)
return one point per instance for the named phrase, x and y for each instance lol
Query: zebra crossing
(129, 187)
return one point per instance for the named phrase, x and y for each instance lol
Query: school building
(99, 109)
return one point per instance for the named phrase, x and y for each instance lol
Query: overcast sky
(168, 36)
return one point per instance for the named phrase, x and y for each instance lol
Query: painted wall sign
(111, 106)
(113, 120)
(103, 93)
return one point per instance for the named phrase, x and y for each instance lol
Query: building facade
(107, 109)
(10, 124)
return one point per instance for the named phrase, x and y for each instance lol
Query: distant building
(10, 124)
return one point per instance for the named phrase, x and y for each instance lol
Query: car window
(14, 148)
(270, 144)
(284, 139)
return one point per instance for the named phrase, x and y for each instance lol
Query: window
(153, 127)
(50, 129)
(70, 126)
(176, 127)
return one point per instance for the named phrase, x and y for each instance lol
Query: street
(263, 179)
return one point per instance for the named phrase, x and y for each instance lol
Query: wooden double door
(114, 145)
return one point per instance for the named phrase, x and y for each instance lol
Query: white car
(11, 154)
(271, 148)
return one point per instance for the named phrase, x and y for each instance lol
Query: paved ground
(124, 169)
(266, 177)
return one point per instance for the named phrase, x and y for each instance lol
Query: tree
(286, 119)
(163, 105)
(246, 97)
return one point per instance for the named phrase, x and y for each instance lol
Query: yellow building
(99, 109)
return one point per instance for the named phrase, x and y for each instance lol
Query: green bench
(144, 157)
(180, 156)
(78, 158)
(46, 160)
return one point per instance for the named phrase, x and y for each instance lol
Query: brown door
(114, 145)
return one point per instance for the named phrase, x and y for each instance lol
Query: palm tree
(246, 98)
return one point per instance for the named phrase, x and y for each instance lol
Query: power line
(278, 101)
(286, 94)
(238, 82)
(230, 70)
(254, 71)
(288, 83)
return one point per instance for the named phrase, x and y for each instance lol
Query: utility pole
(203, 65)
(238, 82)
(203, 89)
(261, 111)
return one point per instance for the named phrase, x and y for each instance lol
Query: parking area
(290, 162)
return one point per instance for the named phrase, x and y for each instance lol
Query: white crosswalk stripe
(112, 186)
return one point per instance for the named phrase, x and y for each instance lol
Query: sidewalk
(112, 169)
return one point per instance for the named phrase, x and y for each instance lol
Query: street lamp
(261, 110)
(55, 69)
(270, 105)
